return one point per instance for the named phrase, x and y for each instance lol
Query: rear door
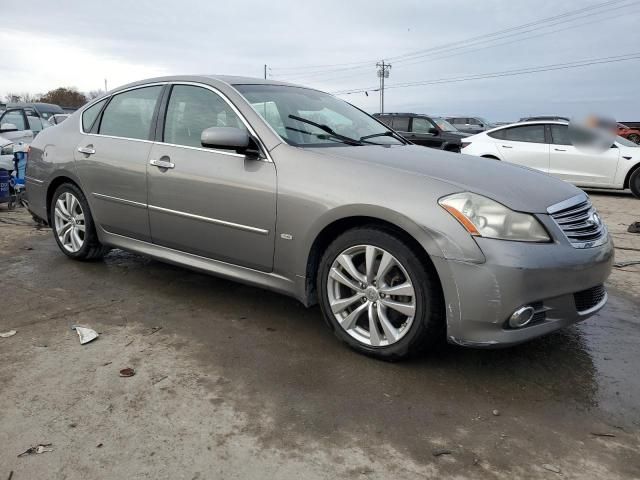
(578, 166)
(524, 145)
(212, 203)
(111, 159)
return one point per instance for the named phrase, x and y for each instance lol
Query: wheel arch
(61, 179)
(424, 247)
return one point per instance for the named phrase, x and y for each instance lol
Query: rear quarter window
(90, 114)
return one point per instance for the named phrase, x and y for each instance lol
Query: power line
(407, 56)
(506, 73)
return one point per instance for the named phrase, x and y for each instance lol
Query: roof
(408, 114)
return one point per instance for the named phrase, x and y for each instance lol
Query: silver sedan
(294, 190)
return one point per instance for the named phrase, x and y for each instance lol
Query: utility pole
(105, 86)
(383, 72)
(265, 71)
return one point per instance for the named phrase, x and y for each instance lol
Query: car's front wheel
(73, 226)
(378, 295)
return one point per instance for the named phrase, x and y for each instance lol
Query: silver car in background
(294, 190)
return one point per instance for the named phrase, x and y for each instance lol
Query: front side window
(14, 117)
(526, 133)
(421, 125)
(129, 114)
(401, 124)
(192, 110)
(90, 114)
(560, 134)
(309, 118)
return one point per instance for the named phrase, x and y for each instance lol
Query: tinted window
(401, 124)
(129, 114)
(16, 118)
(498, 134)
(560, 134)
(192, 110)
(421, 125)
(527, 133)
(90, 114)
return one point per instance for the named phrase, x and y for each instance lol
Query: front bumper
(481, 297)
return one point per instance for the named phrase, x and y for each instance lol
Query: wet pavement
(242, 383)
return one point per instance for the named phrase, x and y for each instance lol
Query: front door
(112, 163)
(596, 169)
(212, 203)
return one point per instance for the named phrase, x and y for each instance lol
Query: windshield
(308, 118)
(444, 125)
(625, 142)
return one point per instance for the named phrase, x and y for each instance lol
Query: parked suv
(470, 125)
(397, 243)
(434, 132)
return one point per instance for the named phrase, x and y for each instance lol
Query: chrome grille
(579, 221)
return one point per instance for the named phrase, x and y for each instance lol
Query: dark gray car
(297, 191)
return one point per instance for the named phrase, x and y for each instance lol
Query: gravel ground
(233, 382)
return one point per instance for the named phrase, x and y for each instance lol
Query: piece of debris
(40, 448)
(73, 425)
(99, 445)
(626, 264)
(634, 227)
(600, 434)
(153, 330)
(438, 453)
(496, 413)
(127, 372)
(8, 334)
(10, 475)
(86, 334)
(106, 363)
(164, 377)
(551, 468)
(271, 329)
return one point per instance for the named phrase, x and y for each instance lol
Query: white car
(545, 146)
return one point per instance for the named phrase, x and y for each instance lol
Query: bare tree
(13, 97)
(94, 94)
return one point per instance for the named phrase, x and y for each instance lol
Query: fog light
(521, 317)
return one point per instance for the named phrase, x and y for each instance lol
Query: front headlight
(484, 217)
(7, 149)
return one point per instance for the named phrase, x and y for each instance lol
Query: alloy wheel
(69, 222)
(371, 295)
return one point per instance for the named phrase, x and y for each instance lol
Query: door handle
(88, 150)
(507, 146)
(559, 149)
(161, 163)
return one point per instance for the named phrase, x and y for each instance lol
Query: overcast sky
(45, 44)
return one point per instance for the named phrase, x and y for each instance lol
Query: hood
(519, 188)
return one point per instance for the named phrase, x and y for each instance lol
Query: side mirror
(226, 138)
(8, 127)
(433, 131)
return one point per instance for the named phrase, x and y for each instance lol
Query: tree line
(69, 97)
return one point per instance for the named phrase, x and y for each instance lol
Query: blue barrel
(5, 194)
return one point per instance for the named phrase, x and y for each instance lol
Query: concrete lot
(237, 383)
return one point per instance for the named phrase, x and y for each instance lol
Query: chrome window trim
(215, 221)
(194, 84)
(124, 201)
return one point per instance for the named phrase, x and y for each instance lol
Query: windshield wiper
(329, 130)
(388, 133)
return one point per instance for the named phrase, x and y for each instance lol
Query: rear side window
(401, 124)
(90, 114)
(388, 121)
(526, 133)
(560, 135)
(194, 109)
(14, 117)
(129, 114)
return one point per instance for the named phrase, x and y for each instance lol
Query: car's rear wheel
(634, 183)
(73, 226)
(378, 295)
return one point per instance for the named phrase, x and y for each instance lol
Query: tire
(634, 137)
(634, 183)
(73, 226)
(400, 335)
